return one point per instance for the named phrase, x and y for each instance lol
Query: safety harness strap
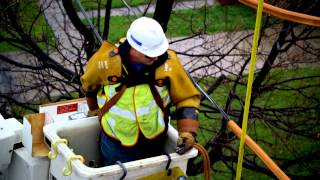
(108, 104)
(159, 102)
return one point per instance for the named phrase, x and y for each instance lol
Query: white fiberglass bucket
(82, 136)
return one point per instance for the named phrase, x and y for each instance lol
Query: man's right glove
(185, 142)
(93, 112)
(92, 104)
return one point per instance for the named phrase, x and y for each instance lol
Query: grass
(41, 31)
(93, 5)
(188, 22)
(278, 144)
(218, 19)
(235, 17)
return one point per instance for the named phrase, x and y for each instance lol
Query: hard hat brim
(154, 52)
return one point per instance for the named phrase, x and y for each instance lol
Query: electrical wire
(89, 22)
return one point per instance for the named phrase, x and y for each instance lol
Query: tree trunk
(76, 21)
(107, 20)
(162, 12)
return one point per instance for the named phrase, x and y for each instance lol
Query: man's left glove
(185, 142)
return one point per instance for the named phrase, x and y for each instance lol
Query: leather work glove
(185, 142)
(92, 104)
(93, 112)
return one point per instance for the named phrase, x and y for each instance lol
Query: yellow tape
(249, 88)
(67, 172)
(54, 154)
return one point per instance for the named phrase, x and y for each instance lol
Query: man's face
(139, 58)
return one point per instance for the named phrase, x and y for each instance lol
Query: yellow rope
(249, 87)
(54, 152)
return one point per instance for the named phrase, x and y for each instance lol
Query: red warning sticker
(67, 108)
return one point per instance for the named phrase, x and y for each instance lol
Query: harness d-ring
(123, 168)
(54, 154)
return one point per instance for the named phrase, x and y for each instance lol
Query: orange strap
(258, 151)
(285, 14)
(206, 160)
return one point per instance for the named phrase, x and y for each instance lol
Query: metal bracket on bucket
(123, 168)
(54, 154)
(168, 164)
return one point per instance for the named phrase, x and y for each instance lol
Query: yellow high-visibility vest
(135, 111)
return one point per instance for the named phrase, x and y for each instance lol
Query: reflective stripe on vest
(136, 110)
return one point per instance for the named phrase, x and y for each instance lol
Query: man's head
(147, 39)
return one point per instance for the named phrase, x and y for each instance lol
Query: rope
(206, 160)
(249, 88)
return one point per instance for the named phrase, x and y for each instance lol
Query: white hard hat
(146, 36)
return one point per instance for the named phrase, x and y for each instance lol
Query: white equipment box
(10, 134)
(7, 139)
(65, 110)
(25, 167)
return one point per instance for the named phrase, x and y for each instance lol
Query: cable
(224, 114)
(89, 22)
(129, 7)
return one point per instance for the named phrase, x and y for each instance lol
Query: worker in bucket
(131, 88)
